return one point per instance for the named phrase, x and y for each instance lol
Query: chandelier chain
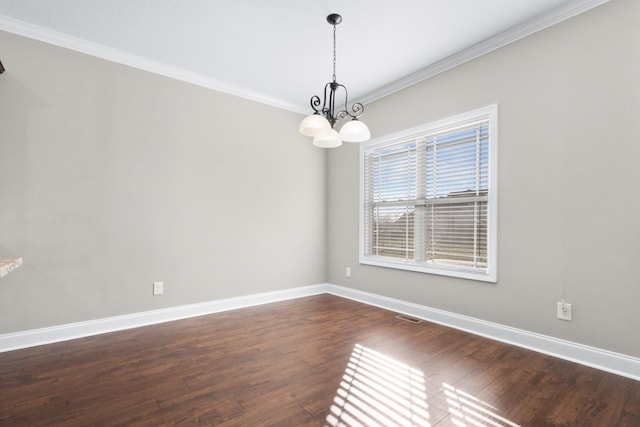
(334, 53)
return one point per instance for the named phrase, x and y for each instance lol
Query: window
(429, 197)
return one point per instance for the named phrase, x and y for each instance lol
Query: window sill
(441, 271)
(7, 265)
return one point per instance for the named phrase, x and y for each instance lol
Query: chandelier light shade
(330, 140)
(315, 125)
(320, 124)
(355, 131)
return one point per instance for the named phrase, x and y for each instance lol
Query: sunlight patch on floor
(377, 390)
(468, 410)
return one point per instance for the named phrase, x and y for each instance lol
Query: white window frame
(489, 274)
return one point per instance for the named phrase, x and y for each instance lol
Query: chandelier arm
(327, 109)
(332, 103)
(357, 109)
(354, 112)
(315, 103)
(344, 113)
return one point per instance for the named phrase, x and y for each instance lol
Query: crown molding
(538, 23)
(67, 41)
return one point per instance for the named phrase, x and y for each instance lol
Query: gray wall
(112, 178)
(569, 155)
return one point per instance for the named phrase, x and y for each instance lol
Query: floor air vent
(408, 318)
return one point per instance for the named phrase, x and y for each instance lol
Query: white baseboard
(34, 337)
(616, 363)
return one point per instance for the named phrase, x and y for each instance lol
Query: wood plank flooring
(315, 361)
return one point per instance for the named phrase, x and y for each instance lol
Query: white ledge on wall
(7, 265)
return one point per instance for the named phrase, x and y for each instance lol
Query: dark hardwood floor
(316, 361)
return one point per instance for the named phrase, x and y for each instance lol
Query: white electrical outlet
(347, 271)
(158, 288)
(564, 310)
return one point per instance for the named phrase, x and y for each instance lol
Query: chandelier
(319, 125)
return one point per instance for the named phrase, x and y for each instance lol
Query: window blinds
(426, 199)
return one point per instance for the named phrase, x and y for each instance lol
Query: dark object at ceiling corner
(1, 68)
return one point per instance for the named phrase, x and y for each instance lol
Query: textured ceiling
(280, 51)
